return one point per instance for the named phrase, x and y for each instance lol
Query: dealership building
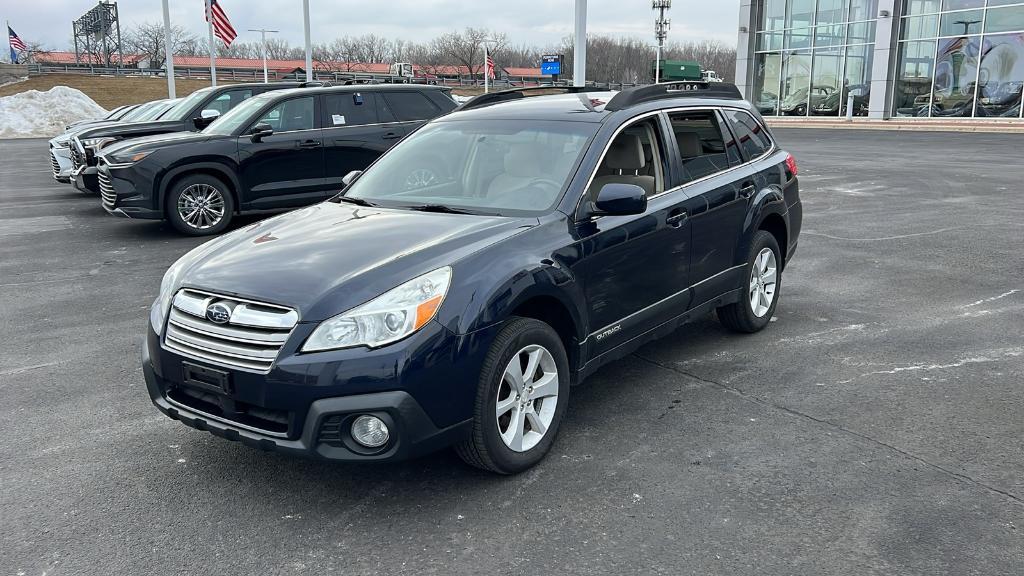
(897, 58)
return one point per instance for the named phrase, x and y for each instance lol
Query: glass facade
(810, 55)
(960, 58)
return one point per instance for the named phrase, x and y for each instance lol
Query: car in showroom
(835, 103)
(60, 146)
(397, 319)
(192, 113)
(278, 150)
(796, 103)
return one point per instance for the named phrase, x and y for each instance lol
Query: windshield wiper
(354, 200)
(438, 208)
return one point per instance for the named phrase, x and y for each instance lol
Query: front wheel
(761, 291)
(521, 397)
(200, 205)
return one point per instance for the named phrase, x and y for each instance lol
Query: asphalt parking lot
(875, 428)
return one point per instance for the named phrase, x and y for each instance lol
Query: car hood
(130, 128)
(327, 258)
(158, 141)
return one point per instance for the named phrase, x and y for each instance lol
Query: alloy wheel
(201, 206)
(527, 398)
(763, 279)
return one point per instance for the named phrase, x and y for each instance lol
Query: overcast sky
(537, 22)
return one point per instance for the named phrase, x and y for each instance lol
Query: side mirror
(617, 199)
(206, 117)
(351, 177)
(261, 131)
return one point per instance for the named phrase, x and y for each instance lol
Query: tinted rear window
(407, 106)
(752, 137)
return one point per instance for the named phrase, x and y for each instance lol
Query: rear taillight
(791, 164)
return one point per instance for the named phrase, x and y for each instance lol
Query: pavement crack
(793, 412)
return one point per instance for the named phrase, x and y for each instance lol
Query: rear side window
(406, 106)
(350, 109)
(752, 137)
(704, 147)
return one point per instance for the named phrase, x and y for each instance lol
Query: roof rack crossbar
(517, 93)
(678, 89)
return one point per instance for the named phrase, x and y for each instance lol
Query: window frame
(743, 152)
(724, 130)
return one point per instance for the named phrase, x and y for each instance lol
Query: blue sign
(551, 65)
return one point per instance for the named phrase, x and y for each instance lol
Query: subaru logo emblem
(218, 313)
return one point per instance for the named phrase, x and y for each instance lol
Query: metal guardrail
(335, 76)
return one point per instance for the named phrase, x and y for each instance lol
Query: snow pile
(461, 99)
(35, 114)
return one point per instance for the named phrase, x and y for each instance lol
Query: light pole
(579, 53)
(661, 26)
(263, 43)
(169, 53)
(309, 46)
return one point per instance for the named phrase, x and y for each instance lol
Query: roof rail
(681, 89)
(314, 84)
(518, 93)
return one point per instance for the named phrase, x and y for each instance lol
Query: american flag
(490, 67)
(222, 27)
(15, 42)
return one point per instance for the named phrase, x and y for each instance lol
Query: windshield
(139, 111)
(502, 167)
(238, 117)
(180, 110)
(156, 111)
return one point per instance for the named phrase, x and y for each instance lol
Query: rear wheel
(761, 289)
(199, 205)
(521, 398)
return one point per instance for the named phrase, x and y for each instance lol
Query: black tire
(484, 448)
(740, 316)
(179, 187)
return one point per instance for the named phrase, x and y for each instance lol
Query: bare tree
(147, 40)
(466, 48)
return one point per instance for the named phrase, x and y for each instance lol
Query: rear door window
(408, 106)
(752, 137)
(350, 109)
(705, 148)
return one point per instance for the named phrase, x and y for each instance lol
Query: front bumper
(423, 388)
(120, 196)
(60, 163)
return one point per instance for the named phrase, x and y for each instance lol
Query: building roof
(283, 65)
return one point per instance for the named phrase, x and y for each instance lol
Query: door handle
(677, 218)
(747, 191)
(391, 136)
(310, 144)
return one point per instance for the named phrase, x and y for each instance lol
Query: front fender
(223, 168)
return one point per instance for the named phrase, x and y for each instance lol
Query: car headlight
(387, 318)
(127, 156)
(168, 286)
(97, 143)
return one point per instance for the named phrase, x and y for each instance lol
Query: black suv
(278, 150)
(562, 232)
(194, 112)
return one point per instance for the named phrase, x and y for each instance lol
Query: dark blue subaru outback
(549, 234)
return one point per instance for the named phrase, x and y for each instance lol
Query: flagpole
(209, 22)
(309, 47)
(10, 49)
(486, 75)
(169, 53)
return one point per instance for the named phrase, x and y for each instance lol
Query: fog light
(370, 431)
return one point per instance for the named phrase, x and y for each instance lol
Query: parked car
(60, 146)
(397, 319)
(796, 103)
(835, 103)
(280, 149)
(194, 112)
